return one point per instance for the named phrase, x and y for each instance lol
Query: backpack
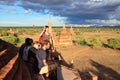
(21, 50)
(41, 37)
(25, 53)
(32, 54)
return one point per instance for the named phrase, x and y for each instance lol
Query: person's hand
(56, 64)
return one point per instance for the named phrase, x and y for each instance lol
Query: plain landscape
(94, 49)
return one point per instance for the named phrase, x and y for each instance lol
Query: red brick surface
(11, 67)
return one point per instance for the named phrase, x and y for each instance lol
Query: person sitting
(23, 51)
(32, 60)
(42, 61)
(22, 48)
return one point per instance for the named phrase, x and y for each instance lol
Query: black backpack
(32, 54)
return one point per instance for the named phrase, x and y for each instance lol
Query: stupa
(51, 33)
(72, 31)
(11, 31)
(65, 37)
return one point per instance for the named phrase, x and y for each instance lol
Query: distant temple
(65, 37)
(51, 32)
(11, 31)
(72, 31)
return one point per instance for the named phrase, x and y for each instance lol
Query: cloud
(8, 2)
(11, 23)
(113, 22)
(17, 23)
(27, 11)
(56, 21)
(75, 11)
(14, 12)
(6, 10)
(115, 14)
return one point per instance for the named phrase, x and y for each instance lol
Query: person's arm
(52, 43)
(41, 36)
(42, 32)
(44, 62)
(44, 58)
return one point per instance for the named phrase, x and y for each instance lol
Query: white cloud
(14, 12)
(101, 3)
(56, 21)
(6, 10)
(115, 14)
(27, 11)
(112, 22)
(111, 2)
(37, 21)
(117, 10)
(9, 9)
(76, 11)
(12, 23)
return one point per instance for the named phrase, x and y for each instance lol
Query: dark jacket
(21, 50)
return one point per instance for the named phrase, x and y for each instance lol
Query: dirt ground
(35, 37)
(103, 35)
(104, 62)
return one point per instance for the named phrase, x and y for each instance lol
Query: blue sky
(59, 12)
(18, 16)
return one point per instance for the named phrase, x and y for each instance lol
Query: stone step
(11, 67)
(8, 71)
(63, 73)
(6, 56)
(2, 52)
(4, 45)
(25, 72)
(18, 74)
(7, 52)
(22, 72)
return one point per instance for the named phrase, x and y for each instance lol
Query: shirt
(41, 55)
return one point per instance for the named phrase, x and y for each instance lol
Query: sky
(59, 12)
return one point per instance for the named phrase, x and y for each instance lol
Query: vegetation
(82, 30)
(4, 34)
(94, 41)
(14, 39)
(11, 39)
(114, 43)
(79, 40)
(57, 30)
(21, 41)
